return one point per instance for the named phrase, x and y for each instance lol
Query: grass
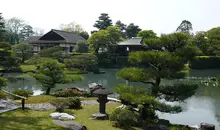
(83, 115)
(27, 68)
(38, 99)
(24, 120)
(40, 120)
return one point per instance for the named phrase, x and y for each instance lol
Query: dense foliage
(23, 51)
(185, 26)
(86, 62)
(132, 30)
(139, 98)
(8, 61)
(55, 52)
(62, 103)
(50, 72)
(102, 40)
(124, 118)
(165, 60)
(103, 22)
(82, 47)
(67, 93)
(22, 93)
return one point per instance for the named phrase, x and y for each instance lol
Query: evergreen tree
(132, 30)
(2, 27)
(104, 22)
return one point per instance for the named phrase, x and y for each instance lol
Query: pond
(202, 107)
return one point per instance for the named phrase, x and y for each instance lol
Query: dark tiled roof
(132, 41)
(70, 37)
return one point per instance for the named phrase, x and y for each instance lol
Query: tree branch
(148, 82)
(155, 67)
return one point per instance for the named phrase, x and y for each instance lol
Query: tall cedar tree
(104, 22)
(185, 26)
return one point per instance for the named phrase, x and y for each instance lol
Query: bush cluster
(61, 103)
(124, 118)
(3, 95)
(67, 93)
(23, 93)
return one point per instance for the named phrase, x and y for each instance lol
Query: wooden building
(67, 40)
(130, 45)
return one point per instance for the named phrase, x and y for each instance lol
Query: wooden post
(22, 102)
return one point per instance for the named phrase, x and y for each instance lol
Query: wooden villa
(133, 44)
(67, 40)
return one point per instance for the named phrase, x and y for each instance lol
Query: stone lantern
(102, 94)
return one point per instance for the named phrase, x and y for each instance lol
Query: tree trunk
(22, 59)
(155, 88)
(48, 91)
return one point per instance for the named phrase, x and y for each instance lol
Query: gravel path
(93, 102)
(48, 106)
(40, 107)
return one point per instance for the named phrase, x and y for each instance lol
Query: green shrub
(82, 47)
(67, 93)
(23, 93)
(205, 62)
(87, 62)
(123, 118)
(60, 104)
(74, 103)
(3, 95)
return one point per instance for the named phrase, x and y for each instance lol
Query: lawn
(27, 120)
(40, 120)
(83, 115)
(37, 99)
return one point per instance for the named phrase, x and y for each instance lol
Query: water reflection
(202, 107)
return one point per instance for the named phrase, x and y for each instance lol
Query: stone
(195, 127)
(70, 125)
(61, 116)
(93, 87)
(2, 106)
(8, 105)
(100, 116)
(206, 126)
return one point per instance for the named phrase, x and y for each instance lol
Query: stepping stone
(70, 124)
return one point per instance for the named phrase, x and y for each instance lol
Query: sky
(161, 16)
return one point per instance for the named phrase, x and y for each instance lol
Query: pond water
(204, 106)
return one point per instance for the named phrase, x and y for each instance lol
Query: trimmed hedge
(23, 93)
(205, 62)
